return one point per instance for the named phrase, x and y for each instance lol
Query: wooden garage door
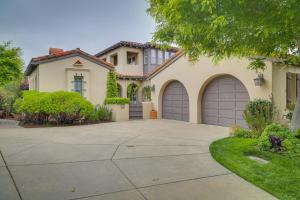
(224, 101)
(175, 102)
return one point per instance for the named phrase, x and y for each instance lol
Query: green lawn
(280, 177)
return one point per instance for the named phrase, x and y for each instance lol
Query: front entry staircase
(135, 110)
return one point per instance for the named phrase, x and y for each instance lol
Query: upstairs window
(167, 55)
(114, 59)
(132, 58)
(153, 56)
(160, 57)
(146, 57)
(78, 84)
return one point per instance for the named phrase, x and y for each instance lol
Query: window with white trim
(153, 56)
(78, 84)
(160, 57)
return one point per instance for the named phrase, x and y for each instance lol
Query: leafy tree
(8, 94)
(225, 28)
(112, 86)
(10, 63)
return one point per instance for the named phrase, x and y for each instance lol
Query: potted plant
(153, 114)
(259, 66)
(147, 93)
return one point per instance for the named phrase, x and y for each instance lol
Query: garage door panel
(226, 113)
(224, 101)
(212, 96)
(240, 105)
(175, 102)
(223, 121)
(211, 112)
(227, 96)
(211, 120)
(211, 105)
(226, 105)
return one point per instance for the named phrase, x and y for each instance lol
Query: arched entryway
(223, 102)
(132, 92)
(175, 102)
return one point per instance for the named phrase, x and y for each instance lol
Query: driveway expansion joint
(11, 176)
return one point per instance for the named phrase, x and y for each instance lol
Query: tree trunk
(295, 123)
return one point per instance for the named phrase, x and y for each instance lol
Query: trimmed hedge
(116, 100)
(112, 86)
(61, 107)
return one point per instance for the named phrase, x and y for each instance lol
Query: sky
(91, 25)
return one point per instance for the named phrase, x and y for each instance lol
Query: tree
(11, 63)
(221, 29)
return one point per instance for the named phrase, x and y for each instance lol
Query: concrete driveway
(135, 160)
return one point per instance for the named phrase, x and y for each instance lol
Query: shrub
(62, 107)
(116, 100)
(147, 93)
(258, 114)
(112, 86)
(273, 138)
(100, 113)
(242, 133)
(104, 113)
(297, 133)
(290, 110)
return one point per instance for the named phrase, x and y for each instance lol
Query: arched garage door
(175, 102)
(224, 101)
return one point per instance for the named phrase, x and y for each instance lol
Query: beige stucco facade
(123, 67)
(59, 75)
(196, 75)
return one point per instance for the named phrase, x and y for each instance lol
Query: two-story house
(194, 91)
(133, 62)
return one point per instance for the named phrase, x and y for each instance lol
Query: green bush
(297, 133)
(100, 113)
(258, 114)
(62, 107)
(104, 113)
(242, 133)
(116, 100)
(8, 95)
(273, 138)
(112, 86)
(147, 93)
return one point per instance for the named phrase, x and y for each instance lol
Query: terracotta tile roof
(47, 58)
(126, 76)
(132, 44)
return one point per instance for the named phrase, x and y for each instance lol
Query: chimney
(55, 51)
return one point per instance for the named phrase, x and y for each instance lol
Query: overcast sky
(92, 25)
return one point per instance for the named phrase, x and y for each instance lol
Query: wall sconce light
(153, 88)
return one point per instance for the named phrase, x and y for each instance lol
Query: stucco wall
(57, 75)
(123, 67)
(195, 76)
(280, 85)
(33, 80)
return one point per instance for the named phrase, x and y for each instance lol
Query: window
(132, 58)
(104, 59)
(146, 57)
(160, 57)
(167, 55)
(153, 56)
(78, 84)
(114, 59)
